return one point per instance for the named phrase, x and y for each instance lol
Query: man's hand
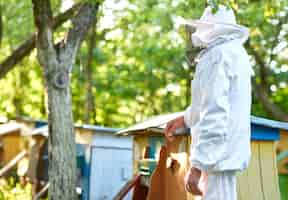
(192, 179)
(172, 126)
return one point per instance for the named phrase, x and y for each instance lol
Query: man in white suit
(219, 116)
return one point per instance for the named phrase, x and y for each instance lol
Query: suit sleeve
(188, 116)
(211, 146)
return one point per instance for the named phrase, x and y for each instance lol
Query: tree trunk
(62, 148)
(90, 113)
(57, 62)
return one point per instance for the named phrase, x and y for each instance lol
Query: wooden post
(41, 192)
(12, 163)
(127, 187)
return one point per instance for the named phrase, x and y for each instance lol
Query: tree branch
(82, 22)
(60, 19)
(43, 20)
(260, 89)
(26, 47)
(17, 55)
(268, 105)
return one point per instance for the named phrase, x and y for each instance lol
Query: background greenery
(138, 67)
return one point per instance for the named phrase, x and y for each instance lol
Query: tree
(57, 61)
(26, 47)
(140, 59)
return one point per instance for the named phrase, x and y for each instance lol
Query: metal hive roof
(158, 123)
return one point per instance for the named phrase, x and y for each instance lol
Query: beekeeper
(219, 116)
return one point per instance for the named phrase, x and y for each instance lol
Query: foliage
(139, 66)
(10, 189)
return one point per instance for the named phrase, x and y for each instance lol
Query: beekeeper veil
(212, 27)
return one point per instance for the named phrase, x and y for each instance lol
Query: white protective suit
(219, 116)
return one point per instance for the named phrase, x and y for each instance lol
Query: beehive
(11, 142)
(259, 181)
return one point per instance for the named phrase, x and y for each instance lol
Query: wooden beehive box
(259, 181)
(97, 148)
(11, 142)
(282, 151)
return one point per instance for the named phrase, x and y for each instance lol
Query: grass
(11, 189)
(283, 182)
